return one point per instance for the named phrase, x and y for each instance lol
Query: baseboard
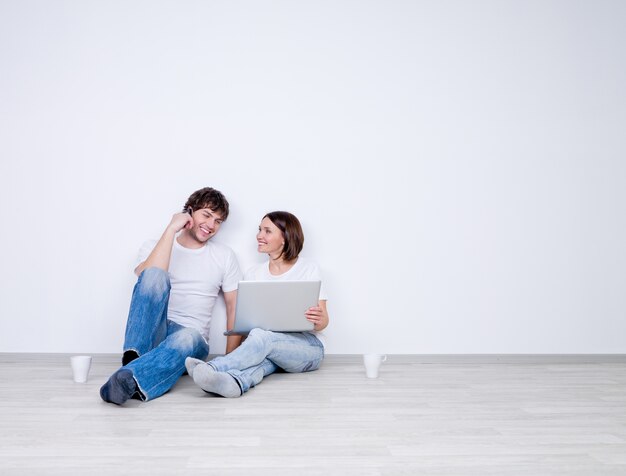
(396, 358)
(508, 358)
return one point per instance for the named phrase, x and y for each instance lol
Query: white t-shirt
(303, 270)
(196, 276)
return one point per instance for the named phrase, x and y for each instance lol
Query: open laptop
(274, 306)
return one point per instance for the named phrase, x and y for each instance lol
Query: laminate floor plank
(479, 415)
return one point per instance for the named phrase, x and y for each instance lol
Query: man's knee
(190, 341)
(154, 280)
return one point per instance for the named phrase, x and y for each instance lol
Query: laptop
(274, 306)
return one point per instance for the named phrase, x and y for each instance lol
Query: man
(180, 277)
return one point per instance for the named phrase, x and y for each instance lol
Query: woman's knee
(258, 338)
(305, 359)
(258, 333)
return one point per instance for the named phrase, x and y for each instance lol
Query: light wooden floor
(455, 416)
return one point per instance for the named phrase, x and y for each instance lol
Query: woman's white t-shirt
(303, 270)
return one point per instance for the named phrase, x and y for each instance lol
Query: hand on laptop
(317, 316)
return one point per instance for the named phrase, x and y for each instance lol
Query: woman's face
(269, 238)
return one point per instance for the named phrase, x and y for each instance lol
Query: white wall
(459, 167)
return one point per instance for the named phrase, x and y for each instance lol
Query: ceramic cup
(80, 367)
(372, 364)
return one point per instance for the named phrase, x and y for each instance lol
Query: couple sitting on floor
(180, 277)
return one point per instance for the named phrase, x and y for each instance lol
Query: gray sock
(191, 363)
(120, 387)
(220, 383)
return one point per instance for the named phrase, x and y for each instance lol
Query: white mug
(80, 367)
(372, 364)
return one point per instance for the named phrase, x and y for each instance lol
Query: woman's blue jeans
(264, 352)
(162, 345)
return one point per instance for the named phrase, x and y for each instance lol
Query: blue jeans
(162, 345)
(264, 352)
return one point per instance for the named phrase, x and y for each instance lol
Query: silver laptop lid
(274, 305)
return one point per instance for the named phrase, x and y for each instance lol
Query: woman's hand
(318, 315)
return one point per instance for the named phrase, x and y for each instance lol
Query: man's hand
(180, 221)
(160, 256)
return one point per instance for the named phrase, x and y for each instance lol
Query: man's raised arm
(160, 256)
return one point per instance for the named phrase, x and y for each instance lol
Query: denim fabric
(264, 352)
(162, 345)
(146, 326)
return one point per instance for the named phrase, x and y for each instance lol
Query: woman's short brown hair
(208, 197)
(290, 226)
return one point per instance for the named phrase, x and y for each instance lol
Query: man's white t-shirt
(196, 276)
(303, 270)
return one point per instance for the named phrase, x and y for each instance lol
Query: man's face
(206, 223)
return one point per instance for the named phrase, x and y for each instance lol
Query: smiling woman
(280, 236)
(264, 352)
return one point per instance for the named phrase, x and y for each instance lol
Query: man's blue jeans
(162, 345)
(264, 352)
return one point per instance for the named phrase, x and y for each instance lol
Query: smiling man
(180, 277)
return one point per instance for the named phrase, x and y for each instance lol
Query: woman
(264, 352)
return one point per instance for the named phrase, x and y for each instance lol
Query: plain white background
(459, 167)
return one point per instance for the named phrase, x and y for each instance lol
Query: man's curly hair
(208, 197)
